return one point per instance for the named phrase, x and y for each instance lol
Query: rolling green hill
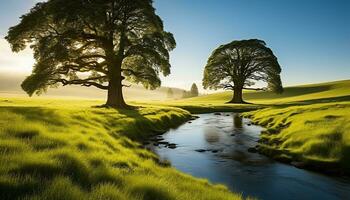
(323, 92)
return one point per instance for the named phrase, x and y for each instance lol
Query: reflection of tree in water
(237, 121)
(211, 135)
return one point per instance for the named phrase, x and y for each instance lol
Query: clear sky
(311, 38)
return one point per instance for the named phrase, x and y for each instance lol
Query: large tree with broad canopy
(94, 43)
(238, 65)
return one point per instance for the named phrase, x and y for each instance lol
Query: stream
(215, 147)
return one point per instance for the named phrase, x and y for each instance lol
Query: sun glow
(17, 63)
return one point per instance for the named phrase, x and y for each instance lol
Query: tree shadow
(313, 101)
(288, 92)
(137, 126)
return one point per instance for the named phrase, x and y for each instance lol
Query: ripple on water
(225, 139)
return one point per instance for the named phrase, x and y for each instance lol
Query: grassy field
(65, 149)
(304, 94)
(316, 135)
(59, 148)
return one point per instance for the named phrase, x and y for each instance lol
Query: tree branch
(84, 82)
(256, 89)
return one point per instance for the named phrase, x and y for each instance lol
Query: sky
(311, 39)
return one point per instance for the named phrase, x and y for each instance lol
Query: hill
(323, 92)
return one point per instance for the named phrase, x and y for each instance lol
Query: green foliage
(91, 43)
(64, 149)
(194, 90)
(192, 93)
(236, 65)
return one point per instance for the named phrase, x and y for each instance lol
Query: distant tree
(170, 93)
(194, 90)
(237, 65)
(186, 94)
(192, 93)
(94, 43)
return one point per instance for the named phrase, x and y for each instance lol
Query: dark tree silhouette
(94, 43)
(237, 65)
(194, 90)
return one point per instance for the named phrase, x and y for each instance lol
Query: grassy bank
(60, 149)
(308, 124)
(317, 135)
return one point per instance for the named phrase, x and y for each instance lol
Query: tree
(185, 94)
(170, 93)
(94, 43)
(237, 65)
(194, 90)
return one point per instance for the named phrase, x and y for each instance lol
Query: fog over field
(10, 85)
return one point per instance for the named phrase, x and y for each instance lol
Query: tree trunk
(115, 96)
(237, 95)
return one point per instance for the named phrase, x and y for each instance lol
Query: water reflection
(211, 135)
(250, 173)
(237, 121)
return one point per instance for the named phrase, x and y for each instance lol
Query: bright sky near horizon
(310, 38)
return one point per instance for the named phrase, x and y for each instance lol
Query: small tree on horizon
(94, 43)
(194, 90)
(238, 65)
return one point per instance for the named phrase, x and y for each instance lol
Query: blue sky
(310, 38)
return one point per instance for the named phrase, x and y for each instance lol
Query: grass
(308, 124)
(304, 94)
(65, 149)
(318, 135)
(337, 91)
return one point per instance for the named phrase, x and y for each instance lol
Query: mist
(11, 85)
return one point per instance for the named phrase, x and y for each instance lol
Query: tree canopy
(194, 90)
(239, 64)
(94, 43)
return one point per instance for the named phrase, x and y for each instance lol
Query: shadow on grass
(143, 127)
(35, 114)
(313, 101)
(288, 92)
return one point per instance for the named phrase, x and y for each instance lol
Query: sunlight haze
(291, 31)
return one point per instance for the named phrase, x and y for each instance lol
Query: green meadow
(71, 149)
(65, 149)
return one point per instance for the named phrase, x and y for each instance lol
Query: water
(230, 136)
